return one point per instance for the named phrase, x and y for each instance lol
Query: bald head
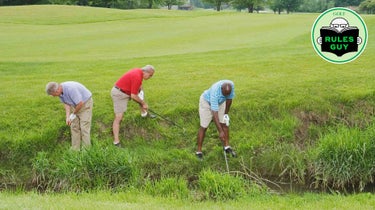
(226, 88)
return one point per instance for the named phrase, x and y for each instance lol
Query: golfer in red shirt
(126, 88)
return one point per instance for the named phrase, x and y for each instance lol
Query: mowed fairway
(63, 33)
(269, 57)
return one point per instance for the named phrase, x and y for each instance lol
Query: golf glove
(226, 119)
(141, 95)
(144, 114)
(72, 117)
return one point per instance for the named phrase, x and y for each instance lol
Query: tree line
(278, 6)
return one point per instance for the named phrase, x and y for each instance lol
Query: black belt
(120, 90)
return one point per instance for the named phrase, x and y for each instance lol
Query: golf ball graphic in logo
(339, 35)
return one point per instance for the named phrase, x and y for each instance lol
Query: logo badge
(339, 35)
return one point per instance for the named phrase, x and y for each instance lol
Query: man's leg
(200, 138)
(205, 117)
(116, 127)
(85, 116)
(76, 134)
(120, 104)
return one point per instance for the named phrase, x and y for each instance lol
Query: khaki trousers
(80, 127)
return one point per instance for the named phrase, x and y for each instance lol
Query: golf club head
(151, 115)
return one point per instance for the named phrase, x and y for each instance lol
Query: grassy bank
(295, 119)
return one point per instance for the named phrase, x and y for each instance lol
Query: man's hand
(226, 119)
(72, 117)
(141, 95)
(69, 119)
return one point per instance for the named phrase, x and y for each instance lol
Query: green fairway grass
(288, 99)
(76, 34)
(104, 200)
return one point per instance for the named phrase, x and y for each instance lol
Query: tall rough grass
(218, 186)
(345, 159)
(95, 168)
(155, 164)
(170, 187)
(286, 162)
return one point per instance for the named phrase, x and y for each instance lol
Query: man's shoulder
(68, 84)
(135, 70)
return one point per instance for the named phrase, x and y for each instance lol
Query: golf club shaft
(225, 155)
(164, 118)
(226, 160)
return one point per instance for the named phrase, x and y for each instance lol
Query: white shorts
(205, 112)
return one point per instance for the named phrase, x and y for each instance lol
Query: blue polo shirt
(73, 93)
(215, 97)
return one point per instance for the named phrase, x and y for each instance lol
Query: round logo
(339, 35)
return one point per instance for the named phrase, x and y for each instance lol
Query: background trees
(217, 4)
(250, 5)
(368, 6)
(316, 5)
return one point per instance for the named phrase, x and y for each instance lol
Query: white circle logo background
(325, 19)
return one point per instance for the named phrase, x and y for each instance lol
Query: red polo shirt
(131, 81)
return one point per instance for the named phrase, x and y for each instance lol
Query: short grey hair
(51, 87)
(148, 68)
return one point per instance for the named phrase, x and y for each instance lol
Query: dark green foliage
(41, 171)
(367, 6)
(156, 164)
(219, 186)
(17, 156)
(285, 161)
(345, 159)
(95, 168)
(172, 187)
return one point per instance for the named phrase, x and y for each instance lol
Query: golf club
(166, 119)
(225, 156)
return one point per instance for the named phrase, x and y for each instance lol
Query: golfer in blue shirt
(214, 104)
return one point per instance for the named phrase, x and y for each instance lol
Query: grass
(289, 102)
(125, 38)
(133, 200)
(344, 158)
